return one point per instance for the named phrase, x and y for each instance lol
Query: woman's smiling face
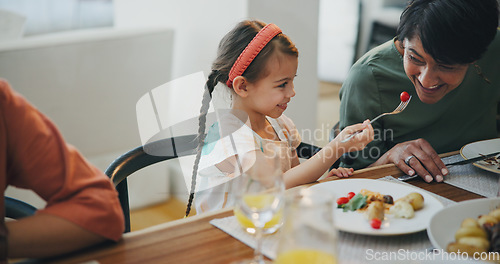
(432, 80)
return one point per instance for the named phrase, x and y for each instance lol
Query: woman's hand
(341, 172)
(359, 141)
(416, 156)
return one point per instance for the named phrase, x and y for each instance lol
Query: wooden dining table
(195, 240)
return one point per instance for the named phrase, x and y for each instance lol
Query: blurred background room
(86, 63)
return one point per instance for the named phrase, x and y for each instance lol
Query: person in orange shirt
(82, 204)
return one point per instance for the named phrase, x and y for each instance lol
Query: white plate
(355, 222)
(446, 222)
(483, 147)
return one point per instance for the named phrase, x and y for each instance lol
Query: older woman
(447, 56)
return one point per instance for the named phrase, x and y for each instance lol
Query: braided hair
(230, 47)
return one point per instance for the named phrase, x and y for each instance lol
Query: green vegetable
(356, 202)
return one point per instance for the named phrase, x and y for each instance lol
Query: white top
(228, 137)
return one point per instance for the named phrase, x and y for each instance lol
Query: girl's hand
(341, 172)
(359, 141)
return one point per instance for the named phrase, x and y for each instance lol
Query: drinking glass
(259, 198)
(308, 234)
(269, 228)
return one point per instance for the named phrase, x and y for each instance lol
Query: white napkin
(471, 178)
(231, 226)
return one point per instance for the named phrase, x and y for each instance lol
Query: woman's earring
(480, 73)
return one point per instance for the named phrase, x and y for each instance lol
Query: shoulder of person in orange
(82, 204)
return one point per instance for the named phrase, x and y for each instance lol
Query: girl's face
(270, 95)
(432, 80)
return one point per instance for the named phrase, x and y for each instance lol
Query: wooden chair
(164, 149)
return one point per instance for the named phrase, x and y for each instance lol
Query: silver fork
(398, 110)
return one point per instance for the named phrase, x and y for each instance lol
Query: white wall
(88, 83)
(199, 25)
(299, 20)
(338, 24)
(47, 16)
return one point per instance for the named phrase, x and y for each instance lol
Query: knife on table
(467, 161)
(462, 162)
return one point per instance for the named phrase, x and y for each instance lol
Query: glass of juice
(308, 234)
(259, 198)
(269, 228)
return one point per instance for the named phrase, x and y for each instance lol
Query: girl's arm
(313, 168)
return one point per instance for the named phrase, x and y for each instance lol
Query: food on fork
(404, 96)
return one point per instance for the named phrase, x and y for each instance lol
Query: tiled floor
(328, 115)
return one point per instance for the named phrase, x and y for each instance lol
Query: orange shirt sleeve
(35, 156)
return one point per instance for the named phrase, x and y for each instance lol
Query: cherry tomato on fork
(342, 200)
(404, 96)
(350, 195)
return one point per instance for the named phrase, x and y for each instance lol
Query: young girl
(258, 64)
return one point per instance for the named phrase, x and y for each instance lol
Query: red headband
(251, 51)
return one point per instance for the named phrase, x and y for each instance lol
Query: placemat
(231, 226)
(352, 248)
(471, 178)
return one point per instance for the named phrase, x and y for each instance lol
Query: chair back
(144, 156)
(157, 151)
(17, 209)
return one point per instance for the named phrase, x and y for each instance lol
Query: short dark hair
(451, 31)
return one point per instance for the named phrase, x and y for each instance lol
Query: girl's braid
(205, 104)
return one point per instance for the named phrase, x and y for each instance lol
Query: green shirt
(466, 114)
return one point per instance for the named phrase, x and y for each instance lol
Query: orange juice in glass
(259, 201)
(308, 234)
(310, 256)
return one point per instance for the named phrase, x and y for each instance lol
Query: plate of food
(469, 226)
(369, 210)
(483, 147)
